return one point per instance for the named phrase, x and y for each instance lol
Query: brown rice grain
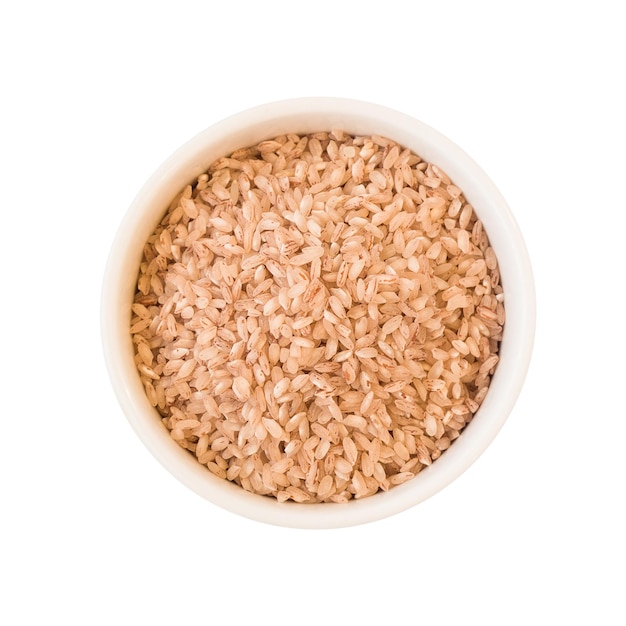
(318, 317)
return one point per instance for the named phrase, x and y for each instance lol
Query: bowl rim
(188, 162)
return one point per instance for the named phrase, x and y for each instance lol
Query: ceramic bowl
(306, 116)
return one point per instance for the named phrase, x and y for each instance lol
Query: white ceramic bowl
(305, 116)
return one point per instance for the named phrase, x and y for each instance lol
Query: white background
(95, 97)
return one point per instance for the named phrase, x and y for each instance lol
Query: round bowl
(306, 116)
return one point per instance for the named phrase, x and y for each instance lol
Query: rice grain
(317, 318)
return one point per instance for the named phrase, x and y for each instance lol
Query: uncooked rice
(318, 317)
